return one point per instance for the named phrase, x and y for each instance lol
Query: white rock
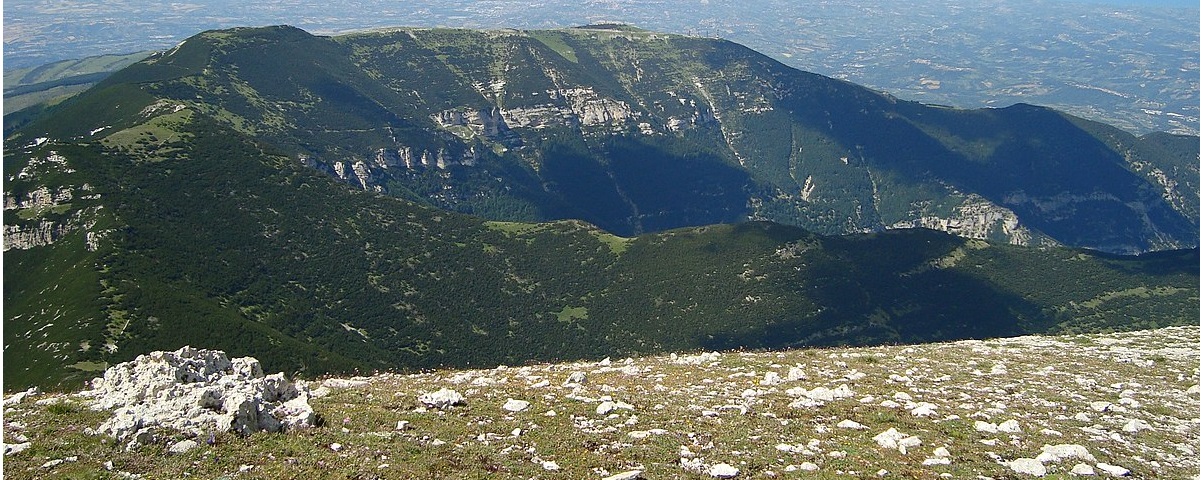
(851, 424)
(576, 378)
(1101, 406)
(182, 446)
(515, 406)
(19, 397)
(627, 475)
(808, 467)
(402, 424)
(196, 391)
(794, 374)
(15, 448)
(1113, 470)
(1009, 426)
(550, 465)
(606, 408)
(337, 447)
(443, 398)
(942, 452)
(936, 461)
(770, 378)
(923, 410)
(722, 470)
(1027, 466)
(1136, 425)
(986, 427)
(895, 440)
(1083, 469)
(1056, 453)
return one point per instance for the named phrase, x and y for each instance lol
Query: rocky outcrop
(488, 123)
(196, 392)
(572, 107)
(24, 237)
(976, 218)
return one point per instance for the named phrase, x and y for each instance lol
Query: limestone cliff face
(47, 213)
(981, 219)
(24, 237)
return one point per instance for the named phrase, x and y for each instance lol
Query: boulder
(1028, 466)
(443, 398)
(196, 391)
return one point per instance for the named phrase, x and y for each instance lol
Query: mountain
(187, 201)
(637, 132)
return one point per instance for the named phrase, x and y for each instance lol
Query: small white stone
(337, 447)
(443, 398)
(627, 475)
(1101, 406)
(1027, 466)
(1009, 426)
(15, 448)
(605, 408)
(515, 406)
(182, 446)
(1083, 469)
(1136, 425)
(1056, 453)
(550, 465)
(1113, 470)
(808, 467)
(851, 424)
(722, 470)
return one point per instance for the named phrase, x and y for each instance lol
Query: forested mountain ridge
(165, 208)
(636, 131)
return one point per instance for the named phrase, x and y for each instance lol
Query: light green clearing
(572, 313)
(89, 366)
(616, 244)
(555, 42)
(1141, 292)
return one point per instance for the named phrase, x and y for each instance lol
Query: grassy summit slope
(1125, 400)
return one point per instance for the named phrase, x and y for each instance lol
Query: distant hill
(200, 197)
(51, 83)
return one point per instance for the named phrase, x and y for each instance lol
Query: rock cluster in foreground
(196, 392)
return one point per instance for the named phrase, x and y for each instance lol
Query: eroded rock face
(196, 392)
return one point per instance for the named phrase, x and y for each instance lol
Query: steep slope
(638, 132)
(171, 227)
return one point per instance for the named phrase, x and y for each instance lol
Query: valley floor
(1106, 405)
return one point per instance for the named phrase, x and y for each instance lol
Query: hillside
(1026, 407)
(228, 245)
(176, 222)
(639, 132)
